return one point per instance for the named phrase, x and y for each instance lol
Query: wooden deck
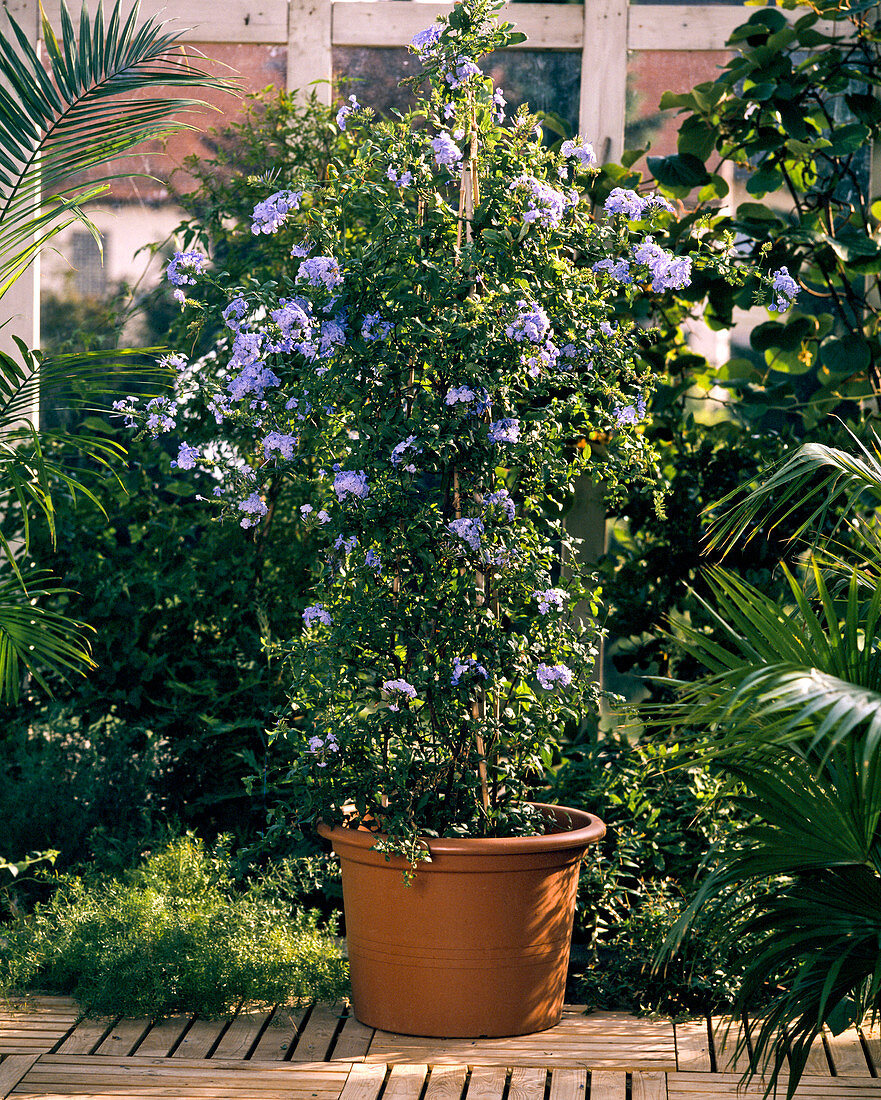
(323, 1053)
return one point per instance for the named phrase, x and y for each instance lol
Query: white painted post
(604, 77)
(310, 47)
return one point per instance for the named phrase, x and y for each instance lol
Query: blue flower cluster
(184, 267)
(270, 214)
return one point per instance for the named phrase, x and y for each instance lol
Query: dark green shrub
(85, 789)
(174, 937)
(662, 819)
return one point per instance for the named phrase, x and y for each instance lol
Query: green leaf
(848, 138)
(845, 355)
(696, 137)
(680, 172)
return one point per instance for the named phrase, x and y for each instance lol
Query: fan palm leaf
(790, 711)
(814, 473)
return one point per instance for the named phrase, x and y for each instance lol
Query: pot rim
(588, 829)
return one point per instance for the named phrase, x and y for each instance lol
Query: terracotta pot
(478, 945)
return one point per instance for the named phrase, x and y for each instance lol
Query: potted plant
(441, 379)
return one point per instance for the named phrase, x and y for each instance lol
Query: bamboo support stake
(469, 197)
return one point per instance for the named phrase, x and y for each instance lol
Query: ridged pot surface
(478, 944)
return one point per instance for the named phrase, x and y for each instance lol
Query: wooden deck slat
(289, 1061)
(649, 1086)
(188, 1077)
(568, 1083)
(446, 1083)
(527, 1083)
(726, 1037)
(693, 1046)
(86, 1036)
(200, 1038)
(317, 1036)
(124, 1037)
(817, 1063)
(872, 1035)
(241, 1034)
(604, 1040)
(363, 1082)
(353, 1041)
(726, 1086)
(607, 1085)
(847, 1054)
(162, 1037)
(405, 1083)
(487, 1083)
(12, 1069)
(280, 1035)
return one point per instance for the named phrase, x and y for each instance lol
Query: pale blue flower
(550, 675)
(348, 483)
(346, 110)
(234, 313)
(631, 414)
(668, 272)
(316, 614)
(185, 266)
(400, 450)
(619, 270)
(278, 441)
(187, 457)
(469, 530)
(464, 70)
(425, 41)
(161, 413)
(321, 271)
(254, 508)
(400, 691)
(375, 328)
(500, 505)
(467, 666)
(446, 151)
(786, 288)
(622, 200)
(581, 150)
(506, 430)
(550, 597)
(270, 214)
(531, 323)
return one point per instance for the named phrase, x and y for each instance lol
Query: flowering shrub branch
(441, 374)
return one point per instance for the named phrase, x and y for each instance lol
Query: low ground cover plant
(173, 936)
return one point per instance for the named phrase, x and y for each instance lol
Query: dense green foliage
(791, 118)
(663, 814)
(175, 936)
(173, 715)
(431, 379)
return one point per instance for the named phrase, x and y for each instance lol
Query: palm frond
(80, 116)
(84, 382)
(815, 473)
(36, 638)
(788, 674)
